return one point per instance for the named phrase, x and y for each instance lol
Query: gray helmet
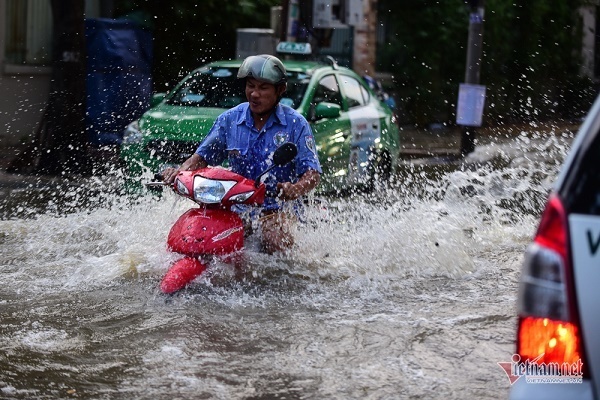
(265, 68)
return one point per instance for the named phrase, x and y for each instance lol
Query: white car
(558, 335)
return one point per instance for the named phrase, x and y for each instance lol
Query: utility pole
(290, 16)
(285, 7)
(365, 39)
(472, 90)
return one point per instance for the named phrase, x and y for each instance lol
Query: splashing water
(405, 292)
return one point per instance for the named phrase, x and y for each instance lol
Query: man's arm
(307, 182)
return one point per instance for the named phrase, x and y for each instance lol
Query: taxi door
(365, 129)
(332, 135)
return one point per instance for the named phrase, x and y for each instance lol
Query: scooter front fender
(206, 231)
(181, 274)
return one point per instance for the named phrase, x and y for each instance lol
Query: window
(28, 32)
(582, 191)
(354, 92)
(328, 90)
(210, 87)
(365, 94)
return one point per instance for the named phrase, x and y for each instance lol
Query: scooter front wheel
(181, 273)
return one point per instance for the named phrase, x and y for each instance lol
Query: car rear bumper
(551, 391)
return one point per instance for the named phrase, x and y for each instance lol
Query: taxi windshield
(219, 87)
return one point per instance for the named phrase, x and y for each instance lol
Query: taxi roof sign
(294, 48)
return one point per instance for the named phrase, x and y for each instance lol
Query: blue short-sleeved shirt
(250, 152)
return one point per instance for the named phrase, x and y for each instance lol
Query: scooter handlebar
(157, 183)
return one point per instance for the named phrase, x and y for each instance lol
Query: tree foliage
(425, 52)
(531, 58)
(530, 66)
(189, 33)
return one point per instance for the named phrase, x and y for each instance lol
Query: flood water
(407, 293)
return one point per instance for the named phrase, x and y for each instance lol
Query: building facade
(25, 58)
(25, 65)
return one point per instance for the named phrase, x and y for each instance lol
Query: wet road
(408, 293)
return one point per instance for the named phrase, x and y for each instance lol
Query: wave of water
(408, 291)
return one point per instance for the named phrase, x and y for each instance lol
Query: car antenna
(331, 62)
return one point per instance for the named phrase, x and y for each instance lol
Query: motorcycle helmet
(265, 68)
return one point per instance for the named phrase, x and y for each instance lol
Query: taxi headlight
(210, 191)
(132, 133)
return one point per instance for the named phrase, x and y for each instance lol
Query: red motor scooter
(212, 229)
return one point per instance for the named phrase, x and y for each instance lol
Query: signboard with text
(294, 48)
(471, 101)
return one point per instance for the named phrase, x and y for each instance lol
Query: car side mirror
(156, 99)
(327, 110)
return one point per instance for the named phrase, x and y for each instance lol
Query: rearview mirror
(284, 154)
(327, 110)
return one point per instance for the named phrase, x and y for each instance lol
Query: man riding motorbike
(248, 134)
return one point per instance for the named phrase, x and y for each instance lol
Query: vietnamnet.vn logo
(534, 372)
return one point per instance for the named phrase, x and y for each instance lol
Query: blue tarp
(119, 77)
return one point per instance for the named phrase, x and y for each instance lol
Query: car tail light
(548, 328)
(558, 341)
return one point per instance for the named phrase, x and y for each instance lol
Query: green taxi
(357, 139)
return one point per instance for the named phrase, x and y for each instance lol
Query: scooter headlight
(210, 191)
(242, 197)
(181, 188)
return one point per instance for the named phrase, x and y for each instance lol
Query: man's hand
(288, 191)
(169, 174)
(292, 191)
(192, 163)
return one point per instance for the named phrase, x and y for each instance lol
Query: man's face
(262, 96)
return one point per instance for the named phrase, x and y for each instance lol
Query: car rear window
(210, 87)
(219, 87)
(581, 190)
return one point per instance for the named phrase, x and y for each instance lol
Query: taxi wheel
(381, 172)
(383, 166)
